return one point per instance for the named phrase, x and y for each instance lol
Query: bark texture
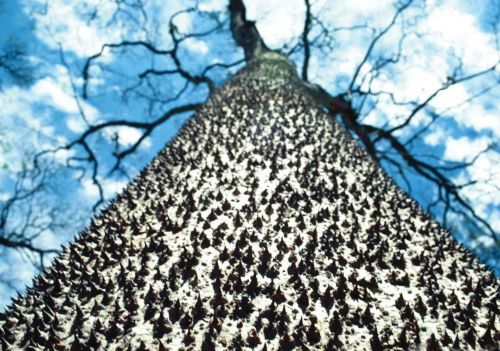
(261, 226)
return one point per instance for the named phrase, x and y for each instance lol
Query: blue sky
(59, 37)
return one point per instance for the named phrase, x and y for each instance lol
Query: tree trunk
(262, 225)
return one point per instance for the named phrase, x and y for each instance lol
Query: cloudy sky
(441, 38)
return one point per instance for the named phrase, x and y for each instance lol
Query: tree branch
(431, 173)
(305, 40)
(374, 42)
(244, 32)
(450, 82)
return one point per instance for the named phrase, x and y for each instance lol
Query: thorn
(198, 310)
(400, 302)
(270, 331)
(433, 344)
(208, 343)
(142, 347)
(407, 313)
(375, 343)
(327, 299)
(185, 321)
(150, 297)
(278, 297)
(446, 340)
(161, 347)
(420, 307)
(470, 337)
(257, 224)
(243, 308)
(175, 312)
(303, 300)
(253, 288)
(150, 312)
(313, 335)
(286, 343)
(129, 323)
(113, 332)
(402, 339)
(253, 339)
(341, 288)
(450, 322)
(334, 344)
(161, 327)
(188, 338)
(93, 341)
(486, 339)
(5, 344)
(335, 324)
(77, 345)
(367, 317)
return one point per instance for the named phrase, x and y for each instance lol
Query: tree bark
(262, 225)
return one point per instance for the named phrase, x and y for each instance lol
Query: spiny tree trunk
(261, 226)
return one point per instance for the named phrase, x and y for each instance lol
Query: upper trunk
(262, 222)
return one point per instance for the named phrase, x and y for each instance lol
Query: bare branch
(14, 61)
(450, 82)
(431, 173)
(374, 42)
(305, 40)
(24, 195)
(125, 43)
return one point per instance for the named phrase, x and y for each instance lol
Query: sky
(59, 35)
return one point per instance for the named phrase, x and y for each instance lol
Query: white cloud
(48, 240)
(454, 28)
(61, 156)
(452, 96)
(23, 124)
(345, 13)
(90, 191)
(127, 136)
(483, 194)
(112, 187)
(15, 269)
(159, 29)
(196, 45)
(33, 116)
(276, 20)
(436, 137)
(476, 117)
(63, 24)
(75, 124)
(418, 81)
(48, 90)
(464, 148)
(213, 5)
